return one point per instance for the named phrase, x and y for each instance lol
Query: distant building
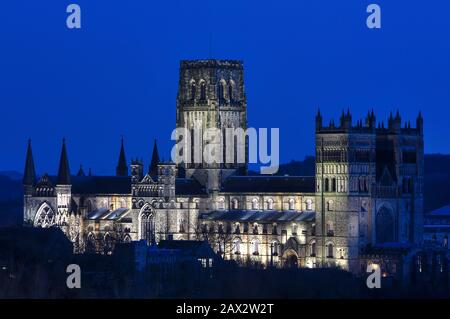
(436, 228)
(367, 191)
(33, 263)
(190, 251)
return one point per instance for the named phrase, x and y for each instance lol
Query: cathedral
(364, 205)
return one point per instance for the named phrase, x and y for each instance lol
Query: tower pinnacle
(153, 169)
(64, 171)
(29, 175)
(122, 168)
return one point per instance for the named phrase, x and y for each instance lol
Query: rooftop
(211, 63)
(441, 212)
(270, 184)
(259, 216)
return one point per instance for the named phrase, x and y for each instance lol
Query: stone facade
(367, 191)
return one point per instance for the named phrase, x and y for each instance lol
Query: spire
(122, 168)
(153, 169)
(64, 171)
(370, 119)
(29, 175)
(419, 122)
(80, 171)
(318, 120)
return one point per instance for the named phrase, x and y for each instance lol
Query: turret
(122, 168)
(63, 188)
(419, 123)
(153, 168)
(137, 170)
(81, 171)
(395, 123)
(64, 171)
(29, 175)
(370, 120)
(318, 121)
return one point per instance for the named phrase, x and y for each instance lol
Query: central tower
(211, 95)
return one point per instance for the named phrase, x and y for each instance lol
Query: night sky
(118, 75)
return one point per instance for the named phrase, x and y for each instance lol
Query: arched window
(384, 226)
(330, 250)
(308, 204)
(237, 228)
(235, 203)
(193, 90)
(221, 91)
(45, 216)
(89, 206)
(220, 247)
(255, 246)
(333, 184)
(126, 238)
(275, 245)
(231, 91)
(291, 204)
(270, 204)
(237, 246)
(327, 185)
(147, 225)
(294, 229)
(330, 229)
(203, 91)
(108, 244)
(182, 224)
(330, 205)
(90, 247)
(313, 251)
(445, 241)
(274, 229)
(221, 203)
(123, 203)
(255, 204)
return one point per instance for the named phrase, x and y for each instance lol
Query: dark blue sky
(119, 73)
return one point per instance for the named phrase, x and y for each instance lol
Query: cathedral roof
(104, 185)
(258, 216)
(270, 184)
(188, 186)
(98, 185)
(101, 185)
(103, 213)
